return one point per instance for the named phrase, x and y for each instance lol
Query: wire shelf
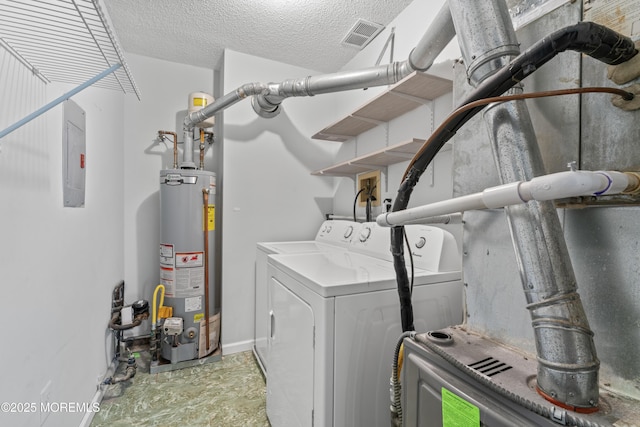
(67, 41)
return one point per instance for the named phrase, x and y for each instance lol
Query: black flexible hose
(355, 202)
(589, 38)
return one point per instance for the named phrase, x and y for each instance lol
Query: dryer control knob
(420, 243)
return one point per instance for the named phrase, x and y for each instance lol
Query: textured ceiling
(305, 33)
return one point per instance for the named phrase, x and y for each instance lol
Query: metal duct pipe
(267, 98)
(438, 35)
(484, 51)
(567, 361)
(222, 103)
(191, 120)
(568, 365)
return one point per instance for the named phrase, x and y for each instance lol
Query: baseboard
(97, 398)
(237, 347)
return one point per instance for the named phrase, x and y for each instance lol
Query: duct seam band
(549, 323)
(572, 296)
(571, 367)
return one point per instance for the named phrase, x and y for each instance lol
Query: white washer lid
(303, 246)
(344, 273)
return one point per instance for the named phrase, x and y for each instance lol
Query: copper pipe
(175, 145)
(201, 149)
(205, 197)
(481, 102)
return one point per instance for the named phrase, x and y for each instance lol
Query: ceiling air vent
(361, 34)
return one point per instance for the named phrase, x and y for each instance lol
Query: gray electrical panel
(73, 155)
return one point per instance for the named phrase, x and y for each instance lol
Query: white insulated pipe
(547, 187)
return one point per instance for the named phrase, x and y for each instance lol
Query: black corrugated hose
(589, 38)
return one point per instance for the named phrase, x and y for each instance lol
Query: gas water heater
(187, 253)
(184, 259)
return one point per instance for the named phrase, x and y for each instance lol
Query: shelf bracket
(58, 100)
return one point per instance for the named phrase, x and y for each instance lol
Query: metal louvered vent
(361, 34)
(490, 366)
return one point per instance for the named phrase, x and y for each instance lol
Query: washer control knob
(420, 243)
(365, 234)
(348, 232)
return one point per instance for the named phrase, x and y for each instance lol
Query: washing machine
(333, 235)
(334, 320)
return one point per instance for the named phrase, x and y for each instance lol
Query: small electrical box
(73, 155)
(369, 183)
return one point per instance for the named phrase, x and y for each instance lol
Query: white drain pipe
(547, 187)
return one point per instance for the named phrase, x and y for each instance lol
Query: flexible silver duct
(568, 365)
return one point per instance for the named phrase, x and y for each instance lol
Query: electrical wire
(627, 96)
(426, 154)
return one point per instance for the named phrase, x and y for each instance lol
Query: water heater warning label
(189, 259)
(166, 254)
(168, 279)
(457, 412)
(189, 274)
(192, 304)
(210, 217)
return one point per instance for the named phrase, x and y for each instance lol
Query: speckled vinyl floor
(229, 392)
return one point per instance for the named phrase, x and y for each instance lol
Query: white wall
(410, 26)
(59, 265)
(165, 87)
(268, 192)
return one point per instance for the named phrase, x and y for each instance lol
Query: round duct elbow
(263, 108)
